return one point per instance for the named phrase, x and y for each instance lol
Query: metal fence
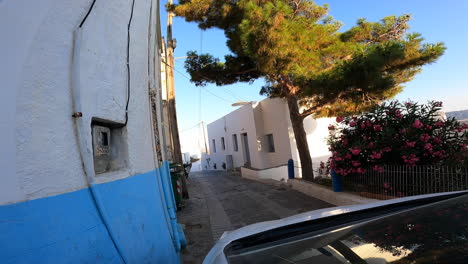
(400, 181)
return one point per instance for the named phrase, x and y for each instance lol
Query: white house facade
(259, 135)
(81, 179)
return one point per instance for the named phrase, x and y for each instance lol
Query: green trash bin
(176, 175)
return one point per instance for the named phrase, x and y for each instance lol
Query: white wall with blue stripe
(54, 208)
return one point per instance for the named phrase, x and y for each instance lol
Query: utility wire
(229, 92)
(128, 62)
(87, 14)
(201, 41)
(192, 127)
(95, 198)
(225, 90)
(208, 91)
(129, 24)
(204, 88)
(199, 110)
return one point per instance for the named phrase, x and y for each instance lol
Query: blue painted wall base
(68, 228)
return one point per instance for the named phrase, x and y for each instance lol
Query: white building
(260, 136)
(82, 177)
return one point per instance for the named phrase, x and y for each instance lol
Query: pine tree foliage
(299, 50)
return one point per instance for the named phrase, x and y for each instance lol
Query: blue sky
(436, 20)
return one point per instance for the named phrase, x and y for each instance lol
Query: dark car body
(420, 229)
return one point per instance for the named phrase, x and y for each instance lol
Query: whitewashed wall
(277, 173)
(237, 122)
(39, 153)
(270, 116)
(317, 133)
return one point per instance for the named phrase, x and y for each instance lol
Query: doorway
(246, 152)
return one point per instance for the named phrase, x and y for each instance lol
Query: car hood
(216, 254)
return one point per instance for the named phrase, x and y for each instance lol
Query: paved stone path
(221, 201)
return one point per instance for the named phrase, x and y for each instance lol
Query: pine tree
(296, 47)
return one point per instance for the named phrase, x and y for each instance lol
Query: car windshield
(430, 234)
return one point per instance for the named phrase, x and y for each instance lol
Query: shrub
(397, 133)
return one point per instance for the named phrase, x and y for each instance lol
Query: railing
(400, 181)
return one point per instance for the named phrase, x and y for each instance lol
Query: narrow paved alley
(221, 201)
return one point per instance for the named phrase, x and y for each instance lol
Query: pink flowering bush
(397, 133)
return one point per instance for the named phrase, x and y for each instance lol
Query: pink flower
(410, 160)
(438, 104)
(355, 151)
(376, 155)
(352, 123)
(387, 149)
(428, 146)
(371, 145)
(387, 185)
(363, 125)
(356, 163)
(342, 172)
(348, 156)
(378, 168)
(410, 144)
(402, 131)
(429, 127)
(361, 170)
(398, 114)
(378, 128)
(330, 127)
(437, 140)
(425, 137)
(439, 124)
(339, 119)
(417, 124)
(462, 127)
(408, 104)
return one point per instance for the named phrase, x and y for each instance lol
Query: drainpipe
(179, 237)
(79, 123)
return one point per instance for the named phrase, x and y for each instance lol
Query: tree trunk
(301, 138)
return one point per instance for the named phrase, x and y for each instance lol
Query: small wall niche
(110, 150)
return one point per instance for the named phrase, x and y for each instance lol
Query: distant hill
(459, 115)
